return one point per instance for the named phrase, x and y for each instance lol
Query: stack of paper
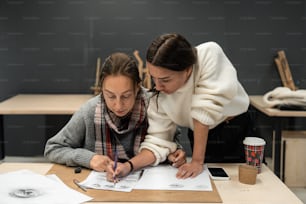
(162, 177)
(27, 187)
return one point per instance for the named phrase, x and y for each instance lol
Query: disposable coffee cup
(254, 151)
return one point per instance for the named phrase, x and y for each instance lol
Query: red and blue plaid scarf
(105, 121)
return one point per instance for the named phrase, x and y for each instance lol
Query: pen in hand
(115, 166)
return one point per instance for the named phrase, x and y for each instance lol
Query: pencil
(115, 165)
(76, 182)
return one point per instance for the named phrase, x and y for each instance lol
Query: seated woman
(114, 122)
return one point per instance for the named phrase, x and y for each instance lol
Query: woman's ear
(189, 71)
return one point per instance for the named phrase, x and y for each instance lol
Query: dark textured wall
(49, 46)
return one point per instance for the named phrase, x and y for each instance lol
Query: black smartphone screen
(217, 172)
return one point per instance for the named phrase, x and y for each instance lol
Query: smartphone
(218, 173)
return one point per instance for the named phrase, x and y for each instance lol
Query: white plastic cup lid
(255, 141)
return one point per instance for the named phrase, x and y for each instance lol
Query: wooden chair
(143, 71)
(284, 70)
(96, 88)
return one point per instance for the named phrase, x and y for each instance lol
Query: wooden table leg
(1, 138)
(277, 145)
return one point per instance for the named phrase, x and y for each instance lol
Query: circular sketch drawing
(24, 193)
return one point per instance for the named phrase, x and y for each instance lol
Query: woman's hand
(195, 167)
(191, 169)
(99, 162)
(122, 170)
(177, 158)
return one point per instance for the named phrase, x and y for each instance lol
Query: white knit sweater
(211, 94)
(285, 96)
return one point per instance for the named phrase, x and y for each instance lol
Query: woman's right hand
(122, 170)
(99, 162)
(177, 158)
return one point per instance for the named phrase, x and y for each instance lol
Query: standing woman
(195, 88)
(113, 122)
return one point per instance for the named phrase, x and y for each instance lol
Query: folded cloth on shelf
(285, 96)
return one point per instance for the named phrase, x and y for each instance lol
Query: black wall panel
(51, 46)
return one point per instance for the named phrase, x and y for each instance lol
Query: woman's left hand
(191, 169)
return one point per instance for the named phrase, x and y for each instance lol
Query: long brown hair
(171, 51)
(120, 64)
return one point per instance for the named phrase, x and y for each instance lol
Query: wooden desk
(268, 189)
(277, 116)
(39, 104)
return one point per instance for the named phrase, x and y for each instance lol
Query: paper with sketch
(27, 187)
(163, 177)
(97, 180)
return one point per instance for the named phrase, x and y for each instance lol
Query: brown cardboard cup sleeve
(247, 174)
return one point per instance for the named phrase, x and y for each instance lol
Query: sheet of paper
(97, 180)
(163, 177)
(27, 187)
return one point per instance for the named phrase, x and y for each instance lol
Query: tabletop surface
(43, 103)
(257, 102)
(268, 188)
